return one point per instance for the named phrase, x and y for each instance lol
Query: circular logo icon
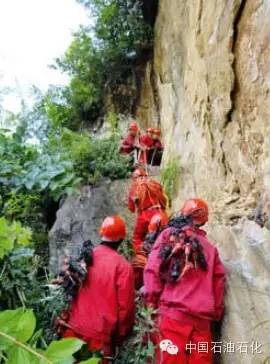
(172, 349)
(164, 344)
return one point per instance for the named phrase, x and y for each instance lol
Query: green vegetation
(139, 348)
(169, 176)
(63, 162)
(92, 158)
(25, 168)
(18, 341)
(47, 152)
(12, 235)
(99, 58)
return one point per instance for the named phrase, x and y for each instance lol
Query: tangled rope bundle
(71, 279)
(147, 188)
(182, 251)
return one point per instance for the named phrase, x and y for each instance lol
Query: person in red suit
(146, 197)
(146, 145)
(102, 314)
(146, 140)
(157, 148)
(156, 139)
(157, 223)
(131, 141)
(184, 278)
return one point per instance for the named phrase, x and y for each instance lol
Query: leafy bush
(99, 57)
(112, 120)
(13, 156)
(119, 26)
(12, 235)
(21, 281)
(169, 176)
(20, 268)
(47, 172)
(24, 168)
(67, 159)
(22, 206)
(18, 341)
(106, 160)
(92, 158)
(139, 348)
(30, 209)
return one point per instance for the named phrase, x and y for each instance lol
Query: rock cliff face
(209, 89)
(79, 218)
(211, 82)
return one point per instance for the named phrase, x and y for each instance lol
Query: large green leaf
(9, 318)
(63, 349)
(8, 324)
(18, 355)
(26, 326)
(19, 324)
(44, 183)
(67, 361)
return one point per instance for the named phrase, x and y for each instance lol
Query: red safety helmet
(133, 126)
(113, 229)
(157, 132)
(139, 172)
(150, 130)
(157, 222)
(197, 209)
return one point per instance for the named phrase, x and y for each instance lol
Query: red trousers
(140, 231)
(193, 345)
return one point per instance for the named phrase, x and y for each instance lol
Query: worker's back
(104, 306)
(198, 292)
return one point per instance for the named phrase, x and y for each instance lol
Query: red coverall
(128, 144)
(155, 154)
(157, 144)
(103, 312)
(146, 210)
(147, 143)
(187, 307)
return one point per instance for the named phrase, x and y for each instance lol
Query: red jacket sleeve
(131, 204)
(219, 287)
(127, 144)
(158, 145)
(131, 200)
(128, 141)
(146, 141)
(126, 300)
(152, 284)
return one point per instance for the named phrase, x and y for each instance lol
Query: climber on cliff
(102, 314)
(146, 144)
(146, 196)
(130, 144)
(184, 278)
(157, 149)
(156, 225)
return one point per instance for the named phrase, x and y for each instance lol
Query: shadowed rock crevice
(235, 84)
